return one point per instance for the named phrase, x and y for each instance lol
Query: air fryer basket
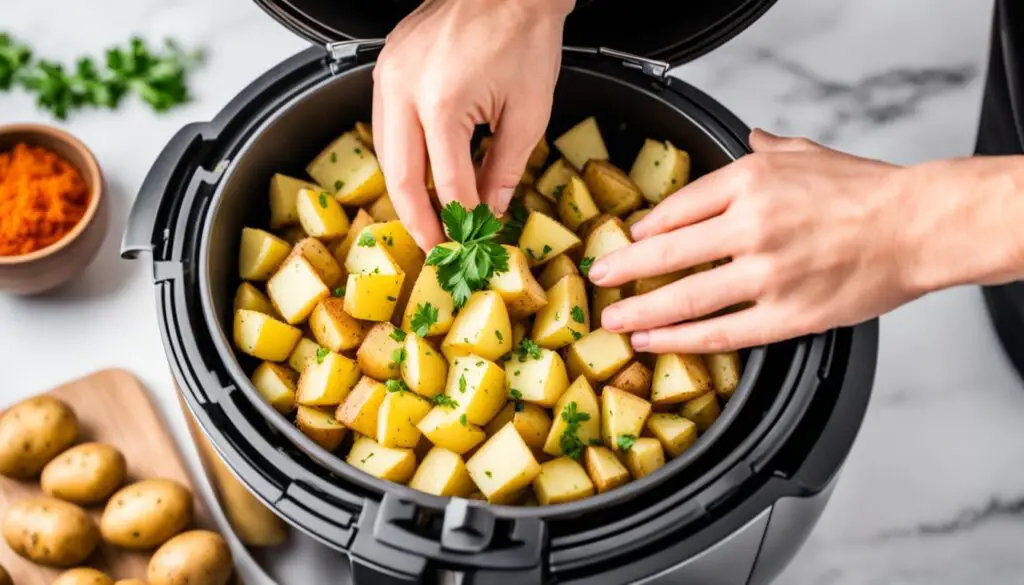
(297, 131)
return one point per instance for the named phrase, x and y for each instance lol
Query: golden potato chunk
(320, 426)
(605, 469)
(478, 385)
(582, 143)
(637, 215)
(320, 258)
(264, 337)
(382, 209)
(603, 298)
(566, 317)
(398, 416)
(543, 238)
(675, 432)
(284, 192)
(261, 253)
(320, 214)
(327, 380)
(360, 408)
(445, 427)
(397, 465)
(559, 266)
(645, 457)
(277, 385)
(562, 480)
(250, 298)
(428, 298)
(613, 191)
(725, 371)
(660, 169)
(531, 421)
(372, 297)
(481, 328)
(575, 205)
(382, 352)
(350, 168)
(503, 466)
(520, 291)
(703, 410)
(360, 221)
(554, 179)
(605, 238)
(678, 378)
(576, 422)
(622, 416)
(333, 328)
(443, 473)
(635, 378)
(540, 380)
(599, 354)
(305, 352)
(424, 370)
(296, 289)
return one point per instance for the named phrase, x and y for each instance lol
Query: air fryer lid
(676, 32)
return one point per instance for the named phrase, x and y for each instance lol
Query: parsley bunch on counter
(466, 268)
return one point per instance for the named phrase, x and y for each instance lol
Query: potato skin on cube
(678, 378)
(261, 253)
(320, 426)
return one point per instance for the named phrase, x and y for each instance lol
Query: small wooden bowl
(50, 267)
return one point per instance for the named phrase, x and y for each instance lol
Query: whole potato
(84, 474)
(83, 576)
(50, 532)
(198, 557)
(33, 432)
(5, 577)
(145, 514)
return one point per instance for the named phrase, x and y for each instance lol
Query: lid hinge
(349, 52)
(651, 67)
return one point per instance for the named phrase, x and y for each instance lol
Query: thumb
(505, 161)
(762, 141)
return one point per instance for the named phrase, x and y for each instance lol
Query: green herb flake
(528, 349)
(519, 407)
(395, 386)
(558, 192)
(358, 151)
(445, 401)
(365, 459)
(585, 265)
(595, 442)
(625, 442)
(398, 335)
(499, 336)
(397, 357)
(576, 335)
(321, 354)
(577, 314)
(423, 319)
(323, 199)
(569, 442)
(469, 267)
(391, 298)
(338, 185)
(339, 291)
(515, 394)
(462, 383)
(334, 157)
(657, 163)
(463, 421)
(575, 209)
(389, 240)
(488, 473)
(366, 240)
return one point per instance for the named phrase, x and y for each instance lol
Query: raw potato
(562, 480)
(558, 267)
(575, 205)
(296, 289)
(558, 324)
(145, 514)
(635, 378)
(320, 426)
(442, 473)
(660, 169)
(397, 465)
(540, 381)
(582, 395)
(622, 414)
(197, 557)
(32, 432)
(679, 377)
(360, 410)
(445, 427)
(320, 258)
(675, 432)
(376, 356)
(481, 328)
(645, 457)
(605, 469)
(703, 411)
(277, 385)
(85, 474)
(251, 298)
(520, 291)
(83, 576)
(333, 328)
(327, 381)
(582, 143)
(612, 189)
(424, 369)
(554, 179)
(426, 291)
(503, 466)
(531, 421)
(599, 354)
(350, 168)
(725, 372)
(50, 532)
(260, 254)
(543, 238)
(284, 193)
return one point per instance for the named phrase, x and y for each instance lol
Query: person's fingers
(706, 197)
(665, 253)
(514, 140)
(448, 144)
(762, 141)
(728, 332)
(693, 297)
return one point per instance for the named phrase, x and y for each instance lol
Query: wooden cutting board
(112, 407)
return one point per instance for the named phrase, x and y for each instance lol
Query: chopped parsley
(576, 335)
(570, 442)
(445, 401)
(577, 314)
(499, 335)
(462, 383)
(488, 473)
(321, 354)
(391, 298)
(397, 357)
(423, 319)
(358, 151)
(389, 240)
(657, 163)
(366, 240)
(367, 458)
(528, 349)
(515, 394)
(625, 442)
(467, 268)
(594, 441)
(585, 265)
(517, 215)
(558, 191)
(398, 335)
(575, 209)
(338, 185)
(339, 291)
(323, 199)
(395, 386)
(462, 420)
(334, 157)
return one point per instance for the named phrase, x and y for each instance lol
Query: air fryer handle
(138, 235)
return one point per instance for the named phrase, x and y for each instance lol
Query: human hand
(815, 241)
(452, 65)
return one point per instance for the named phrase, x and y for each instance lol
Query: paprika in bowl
(53, 213)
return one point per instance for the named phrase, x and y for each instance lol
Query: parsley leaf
(445, 401)
(395, 386)
(13, 57)
(463, 421)
(323, 199)
(321, 354)
(366, 240)
(398, 335)
(577, 314)
(488, 473)
(517, 216)
(339, 291)
(625, 442)
(397, 357)
(570, 442)
(462, 383)
(519, 406)
(423, 319)
(585, 265)
(576, 335)
(515, 394)
(499, 336)
(528, 349)
(466, 268)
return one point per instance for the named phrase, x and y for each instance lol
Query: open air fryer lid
(674, 32)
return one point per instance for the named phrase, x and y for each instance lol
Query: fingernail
(611, 319)
(505, 197)
(598, 271)
(639, 340)
(637, 231)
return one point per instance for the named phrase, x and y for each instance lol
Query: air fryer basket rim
(334, 463)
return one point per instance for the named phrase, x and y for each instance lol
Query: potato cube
(575, 205)
(622, 415)
(558, 267)
(577, 409)
(645, 457)
(540, 381)
(292, 234)
(276, 384)
(562, 480)
(284, 192)
(333, 328)
(543, 238)
(599, 354)
(424, 370)
(443, 473)
(645, 285)
(478, 385)
(397, 465)
(350, 168)
(321, 426)
(361, 220)
(605, 238)
(520, 291)
(481, 328)
(503, 466)
(445, 427)
(566, 317)
(250, 298)
(368, 256)
(678, 378)
(636, 216)
(365, 134)
(531, 421)
(305, 352)
(531, 200)
(400, 245)
(605, 469)
(660, 169)
(263, 336)
(321, 259)
(602, 299)
(551, 183)
(372, 297)
(359, 410)
(635, 378)
(725, 372)
(582, 143)
(382, 209)
(539, 155)
(613, 191)
(296, 289)
(427, 295)
(382, 352)
(518, 333)
(327, 381)
(320, 214)
(675, 432)
(260, 254)
(703, 410)
(398, 415)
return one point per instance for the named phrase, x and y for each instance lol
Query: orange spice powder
(42, 197)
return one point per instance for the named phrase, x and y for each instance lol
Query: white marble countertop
(933, 492)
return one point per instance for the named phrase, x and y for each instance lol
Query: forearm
(963, 222)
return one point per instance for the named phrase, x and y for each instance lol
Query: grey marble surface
(933, 492)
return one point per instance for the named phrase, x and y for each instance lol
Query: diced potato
(562, 480)
(575, 205)
(622, 414)
(540, 381)
(263, 336)
(612, 189)
(361, 220)
(382, 209)
(543, 238)
(400, 245)
(581, 395)
(447, 428)
(292, 234)
(645, 457)
(518, 332)
(350, 168)
(425, 292)
(605, 469)
(599, 354)
(481, 328)
(675, 432)
(478, 385)
(646, 285)
(703, 410)
(372, 297)
(321, 426)
(582, 143)
(725, 372)
(503, 466)
(605, 238)
(365, 134)
(368, 256)
(260, 254)
(539, 155)
(424, 370)
(397, 465)
(333, 328)
(522, 294)
(397, 419)
(327, 381)
(637, 216)
(250, 298)
(635, 378)
(602, 299)
(360, 408)
(531, 421)
(660, 169)
(296, 289)
(276, 384)
(551, 183)
(678, 378)
(558, 267)
(284, 191)
(534, 201)
(443, 473)
(305, 351)
(382, 352)
(320, 215)
(566, 317)
(320, 258)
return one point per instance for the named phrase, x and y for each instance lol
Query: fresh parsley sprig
(468, 267)
(570, 441)
(528, 349)
(423, 319)
(13, 58)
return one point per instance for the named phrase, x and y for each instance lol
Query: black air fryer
(734, 509)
